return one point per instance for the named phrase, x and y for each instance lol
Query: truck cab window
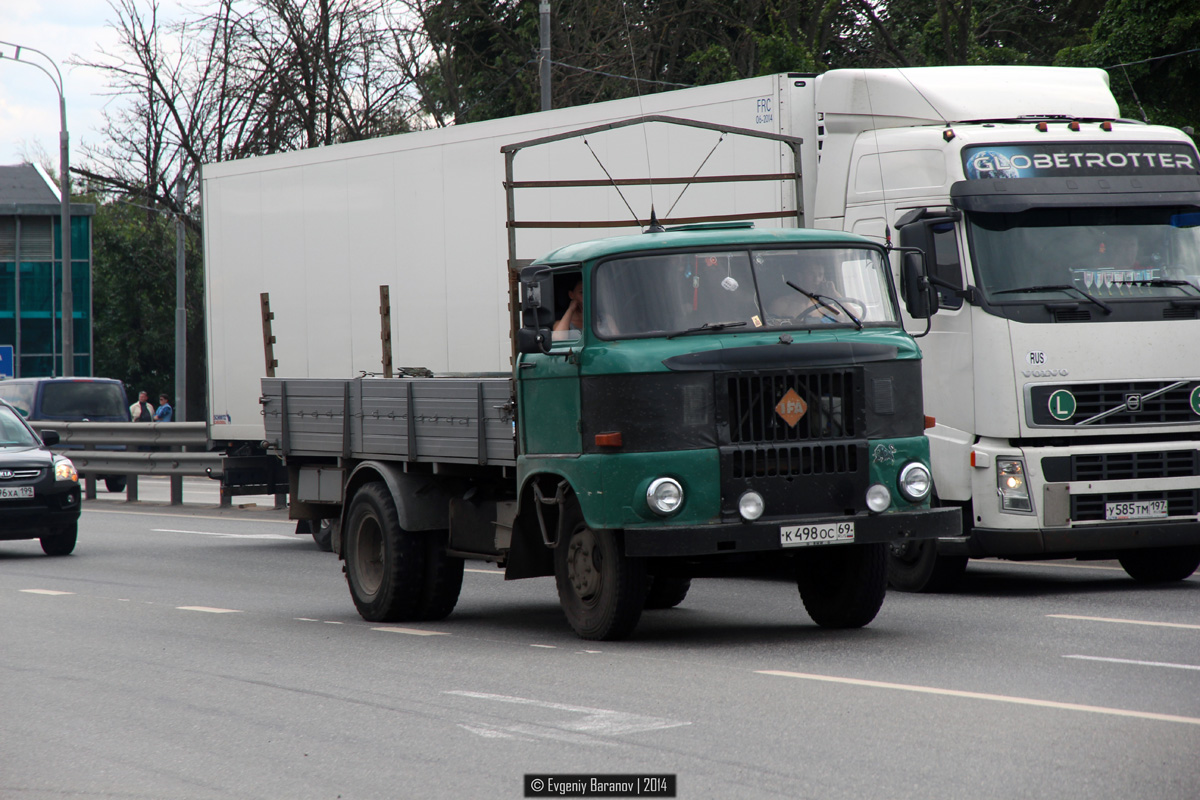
(946, 263)
(568, 307)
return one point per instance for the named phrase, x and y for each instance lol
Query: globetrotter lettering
(1047, 160)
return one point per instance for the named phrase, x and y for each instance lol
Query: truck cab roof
(690, 236)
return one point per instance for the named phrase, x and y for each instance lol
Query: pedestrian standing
(164, 411)
(142, 411)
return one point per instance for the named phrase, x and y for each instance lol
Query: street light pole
(64, 193)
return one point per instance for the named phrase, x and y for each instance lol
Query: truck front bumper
(761, 536)
(1082, 540)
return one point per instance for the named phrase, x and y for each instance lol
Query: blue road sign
(6, 361)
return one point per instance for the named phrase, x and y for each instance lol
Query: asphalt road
(198, 653)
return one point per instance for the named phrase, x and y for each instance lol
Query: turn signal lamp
(611, 439)
(948, 134)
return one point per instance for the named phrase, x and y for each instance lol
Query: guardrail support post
(280, 500)
(131, 494)
(176, 490)
(89, 487)
(226, 497)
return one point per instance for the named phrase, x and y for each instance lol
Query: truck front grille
(1090, 507)
(819, 405)
(769, 462)
(1119, 403)
(1121, 466)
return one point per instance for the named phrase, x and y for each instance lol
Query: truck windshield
(740, 290)
(1112, 254)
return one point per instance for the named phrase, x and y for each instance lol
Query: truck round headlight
(664, 496)
(878, 497)
(914, 482)
(751, 505)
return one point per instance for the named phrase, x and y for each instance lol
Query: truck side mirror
(534, 335)
(920, 298)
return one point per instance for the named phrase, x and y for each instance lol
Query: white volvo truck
(1062, 367)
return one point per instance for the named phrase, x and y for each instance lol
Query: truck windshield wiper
(709, 326)
(1058, 287)
(820, 299)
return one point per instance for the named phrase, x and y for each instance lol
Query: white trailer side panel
(424, 213)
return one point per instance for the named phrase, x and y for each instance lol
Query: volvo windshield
(674, 294)
(1096, 255)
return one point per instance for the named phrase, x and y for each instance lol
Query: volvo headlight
(914, 482)
(64, 470)
(664, 496)
(1011, 485)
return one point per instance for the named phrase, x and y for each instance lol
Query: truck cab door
(548, 382)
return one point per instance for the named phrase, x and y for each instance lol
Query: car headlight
(664, 496)
(1011, 485)
(914, 482)
(64, 470)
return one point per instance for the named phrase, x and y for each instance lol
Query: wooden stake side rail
(427, 420)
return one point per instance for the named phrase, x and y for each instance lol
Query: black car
(39, 490)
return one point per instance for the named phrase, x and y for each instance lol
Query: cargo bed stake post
(385, 328)
(268, 338)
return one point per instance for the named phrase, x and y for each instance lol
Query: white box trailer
(1065, 385)
(424, 213)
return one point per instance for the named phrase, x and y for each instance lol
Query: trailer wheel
(667, 591)
(917, 567)
(843, 586)
(601, 590)
(1161, 565)
(443, 578)
(62, 541)
(385, 564)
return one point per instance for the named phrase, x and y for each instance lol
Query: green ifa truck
(682, 401)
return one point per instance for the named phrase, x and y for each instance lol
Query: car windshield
(1112, 254)
(80, 399)
(13, 432)
(739, 290)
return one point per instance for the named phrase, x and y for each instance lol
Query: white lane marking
(306, 619)
(1055, 564)
(546, 646)
(227, 535)
(50, 592)
(147, 513)
(592, 722)
(499, 572)
(1127, 621)
(412, 631)
(1137, 663)
(208, 609)
(998, 698)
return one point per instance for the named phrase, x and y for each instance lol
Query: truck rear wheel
(1161, 565)
(601, 590)
(443, 578)
(843, 586)
(385, 564)
(917, 567)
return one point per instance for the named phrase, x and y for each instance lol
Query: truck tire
(322, 534)
(843, 586)
(1161, 565)
(601, 590)
(443, 578)
(917, 567)
(667, 591)
(385, 564)
(62, 541)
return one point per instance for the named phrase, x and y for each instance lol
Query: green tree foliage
(133, 301)
(1137, 41)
